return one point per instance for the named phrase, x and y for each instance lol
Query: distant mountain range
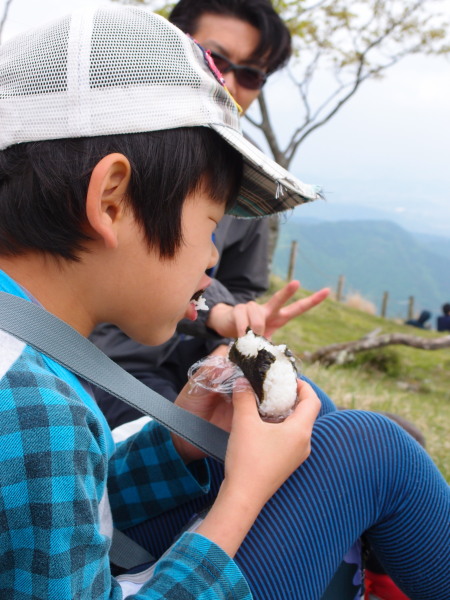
(373, 256)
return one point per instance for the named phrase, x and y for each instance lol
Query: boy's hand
(261, 455)
(263, 319)
(212, 407)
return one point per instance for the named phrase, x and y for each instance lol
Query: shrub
(357, 301)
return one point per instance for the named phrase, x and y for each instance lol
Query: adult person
(248, 42)
(443, 321)
(83, 232)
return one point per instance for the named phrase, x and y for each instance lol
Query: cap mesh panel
(26, 67)
(131, 58)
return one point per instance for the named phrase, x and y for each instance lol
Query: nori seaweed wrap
(271, 371)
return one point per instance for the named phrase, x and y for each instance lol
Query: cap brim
(266, 187)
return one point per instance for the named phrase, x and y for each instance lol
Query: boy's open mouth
(197, 295)
(198, 302)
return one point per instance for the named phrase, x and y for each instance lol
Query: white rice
(200, 303)
(280, 383)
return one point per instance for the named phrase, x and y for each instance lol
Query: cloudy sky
(388, 149)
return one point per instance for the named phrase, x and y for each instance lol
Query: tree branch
(361, 45)
(343, 352)
(4, 17)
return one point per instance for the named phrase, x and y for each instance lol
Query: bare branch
(253, 122)
(344, 352)
(295, 143)
(353, 46)
(4, 17)
(297, 139)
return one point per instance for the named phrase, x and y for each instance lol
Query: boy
(248, 41)
(102, 221)
(119, 152)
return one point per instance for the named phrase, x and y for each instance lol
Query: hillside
(436, 244)
(405, 381)
(374, 257)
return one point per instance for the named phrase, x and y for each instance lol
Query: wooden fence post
(384, 304)
(340, 288)
(411, 308)
(292, 259)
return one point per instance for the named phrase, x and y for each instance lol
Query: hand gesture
(264, 319)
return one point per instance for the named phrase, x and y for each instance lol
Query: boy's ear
(105, 204)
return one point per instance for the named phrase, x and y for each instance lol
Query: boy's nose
(214, 256)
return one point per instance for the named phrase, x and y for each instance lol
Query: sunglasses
(248, 77)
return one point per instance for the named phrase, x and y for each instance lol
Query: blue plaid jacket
(63, 483)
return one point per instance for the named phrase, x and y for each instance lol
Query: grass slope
(409, 382)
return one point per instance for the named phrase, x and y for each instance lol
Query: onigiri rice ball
(271, 371)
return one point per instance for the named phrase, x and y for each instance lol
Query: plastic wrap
(217, 374)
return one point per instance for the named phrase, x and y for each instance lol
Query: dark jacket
(443, 323)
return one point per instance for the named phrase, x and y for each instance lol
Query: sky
(386, 152)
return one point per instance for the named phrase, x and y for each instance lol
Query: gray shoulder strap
(54, 338)
(126, 553)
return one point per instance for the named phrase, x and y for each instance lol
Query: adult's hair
(446, 309)
(275, 44)
(43, 186)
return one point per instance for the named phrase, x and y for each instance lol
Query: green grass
(412, 383)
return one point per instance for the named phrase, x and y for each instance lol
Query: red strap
(382, 586)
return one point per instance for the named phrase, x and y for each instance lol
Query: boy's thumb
(244, 400)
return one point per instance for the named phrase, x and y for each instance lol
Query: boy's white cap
(117, 70)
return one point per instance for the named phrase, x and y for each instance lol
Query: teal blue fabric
(57, 461)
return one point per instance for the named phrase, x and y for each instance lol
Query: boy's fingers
(280, 298)
(244, 402)
(309, 404)
(305, 304)
(317, 297)
(240, 319)
(257, 318)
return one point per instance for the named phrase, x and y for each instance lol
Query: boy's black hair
(43, 186)
(446, 309)
(275, 44)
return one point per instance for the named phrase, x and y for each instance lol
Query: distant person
(421, 321)
(443, 322)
